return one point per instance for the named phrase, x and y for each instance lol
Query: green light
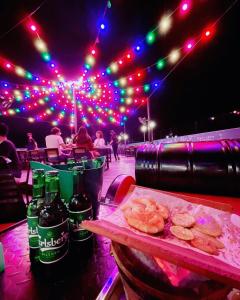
(123, 92)
(87, 66)
(52, 108)
(116, 83)
(17, 110)
(46, 56)
(28, 75)
(160, 64)
(150, 38)
(46, 99)
(109, 4)
(108, 70)
(122, 100)
(146, 88)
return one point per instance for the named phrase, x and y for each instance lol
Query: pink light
(8, 66)
(93, 51)
(128, 56)
(185, 7)
(33, 27)
(189, 45)
(120, 62)
(130, 78)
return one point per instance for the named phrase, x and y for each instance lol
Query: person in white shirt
(54, 140)
(99, 141)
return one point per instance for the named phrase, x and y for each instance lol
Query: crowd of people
(8, 152)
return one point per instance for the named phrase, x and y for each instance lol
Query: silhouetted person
(114, 143)
(8, 152)
(31, 144)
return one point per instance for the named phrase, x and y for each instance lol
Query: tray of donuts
(186, 231)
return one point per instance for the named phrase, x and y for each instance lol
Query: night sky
(205, 84)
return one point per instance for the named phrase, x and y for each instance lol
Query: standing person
(99, 141)
(31, 144)
(8, 152)
(54, 140)
(114, 143)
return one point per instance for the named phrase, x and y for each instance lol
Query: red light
(139, 74)
(128, 56)
(208, 33)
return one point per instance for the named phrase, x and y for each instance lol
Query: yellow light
(48, 111)
(16, 93)
(165, 24)
(90, 60)
(122, 109)
(20, 71)
(31, 120)
(129, 101)
(174, 56)
(123, 81)
(40, 45)
(110, 112)
(41, 101)
(11, 112)
(114, 67)
(130, 91)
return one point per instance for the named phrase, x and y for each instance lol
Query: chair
(80, 152)
(23, 158)
(34, 155)
(52, 156)
(12, 206)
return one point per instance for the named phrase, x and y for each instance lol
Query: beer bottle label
(77, 233)
(33, 232)
(53, 242)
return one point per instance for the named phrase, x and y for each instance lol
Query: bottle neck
(52, 189)
(78, 183)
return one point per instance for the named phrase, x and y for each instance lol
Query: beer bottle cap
(52, 173)
(38, 171)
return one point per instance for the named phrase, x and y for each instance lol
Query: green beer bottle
(80, 209)
(32, 214)
(53, 228)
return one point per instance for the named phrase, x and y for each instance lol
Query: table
(17, 282)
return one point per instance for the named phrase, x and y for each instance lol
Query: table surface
(17, 282)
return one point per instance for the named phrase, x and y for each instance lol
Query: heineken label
(33, 232)
(77, 233)
(53, 242)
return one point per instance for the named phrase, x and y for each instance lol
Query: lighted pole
(148, 118)
(75, 109)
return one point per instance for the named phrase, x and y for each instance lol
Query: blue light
(102, 26)
(5, 84)
(52, 65)
(138, 48)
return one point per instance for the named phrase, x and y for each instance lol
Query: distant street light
(125, 136)
(143, 129)
(152, 124)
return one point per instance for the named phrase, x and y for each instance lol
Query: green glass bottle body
(33, 213)
(80, 209)
(53, 229)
